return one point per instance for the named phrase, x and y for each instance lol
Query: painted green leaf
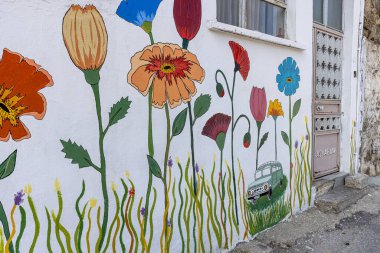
(119, 110)
(263, 139)
(202, 105)
(8, 165)
(285, 137)
(76, 153)
(296, 107)
(154, 167)
(179, 122)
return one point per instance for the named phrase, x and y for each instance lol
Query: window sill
(214, 25)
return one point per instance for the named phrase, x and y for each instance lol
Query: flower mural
(88, 52)
(289, 77)
(199, 206)
(187, 17)
(139, 12)
(275, 111)
(170, 70)
(288, 82)
(21, 81)
(242, 62)
(242, 65)
(258, 105)
(216, 129)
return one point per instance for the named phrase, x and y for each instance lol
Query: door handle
(320, 108)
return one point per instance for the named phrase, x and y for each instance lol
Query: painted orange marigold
(169, 70)
(275, 109)
(20, 81)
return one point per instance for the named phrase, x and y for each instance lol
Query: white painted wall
(33, 28)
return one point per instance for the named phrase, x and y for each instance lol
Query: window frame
(324, 25)
(243, 17)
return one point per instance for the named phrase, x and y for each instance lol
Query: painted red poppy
(20, 80)
(241, 58)
(187, 17)
(217, 124)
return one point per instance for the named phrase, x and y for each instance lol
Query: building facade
(183, 126)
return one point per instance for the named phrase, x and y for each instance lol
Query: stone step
(324, 184)
(339, 199)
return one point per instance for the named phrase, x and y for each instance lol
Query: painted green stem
(48, 233)
(290, 150)
(22, 228)
(103, 171)
(180, 210)
(123, 200)
(258, 143)
(113, 221)
(36, 224)
(275, 137)
(232, 146)
(4, 221)
(57, 220)
(150, 147)
(77, 239)
(66, 234)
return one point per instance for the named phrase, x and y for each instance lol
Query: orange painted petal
(23, 73)
(168, 52)
(196, 73)
(172, 91)
(178, 53)
(159, 92)
(35, 105)
(141, 79)
(150, 52)
(190, 86)
(4, 131)
(20, 132)
(183, 91)
(191, 57)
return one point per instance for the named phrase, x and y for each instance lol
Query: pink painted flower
(258, 104)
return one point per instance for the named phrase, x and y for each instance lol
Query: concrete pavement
(355, 228)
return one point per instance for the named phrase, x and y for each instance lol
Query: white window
(266, 16)
(329, 13)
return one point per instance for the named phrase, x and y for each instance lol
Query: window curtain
(228, 11)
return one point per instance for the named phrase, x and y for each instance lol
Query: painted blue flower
(138, 11)
(289, 77)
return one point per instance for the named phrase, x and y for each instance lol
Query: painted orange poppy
(169, 70)
(20, 80)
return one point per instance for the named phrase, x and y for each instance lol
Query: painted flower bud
(85, 37)
(93, 202)
(28, 189)
(247, 140)
(57, 185)
(220, 90)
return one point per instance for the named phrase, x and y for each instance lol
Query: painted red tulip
(258, 104)
(187, 17)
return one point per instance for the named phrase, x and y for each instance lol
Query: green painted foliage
(285, 137)
(296, 107)
(179, 122)
(201, 106)
(119, 111)
(76, 153)
(8, 166)
(154, 167)
(264, 139)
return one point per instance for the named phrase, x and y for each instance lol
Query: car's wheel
(270, 194)
(281, 182)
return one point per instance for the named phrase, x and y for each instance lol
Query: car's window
(259, 174)
(266, 172)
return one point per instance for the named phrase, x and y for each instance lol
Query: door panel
(327, 93)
